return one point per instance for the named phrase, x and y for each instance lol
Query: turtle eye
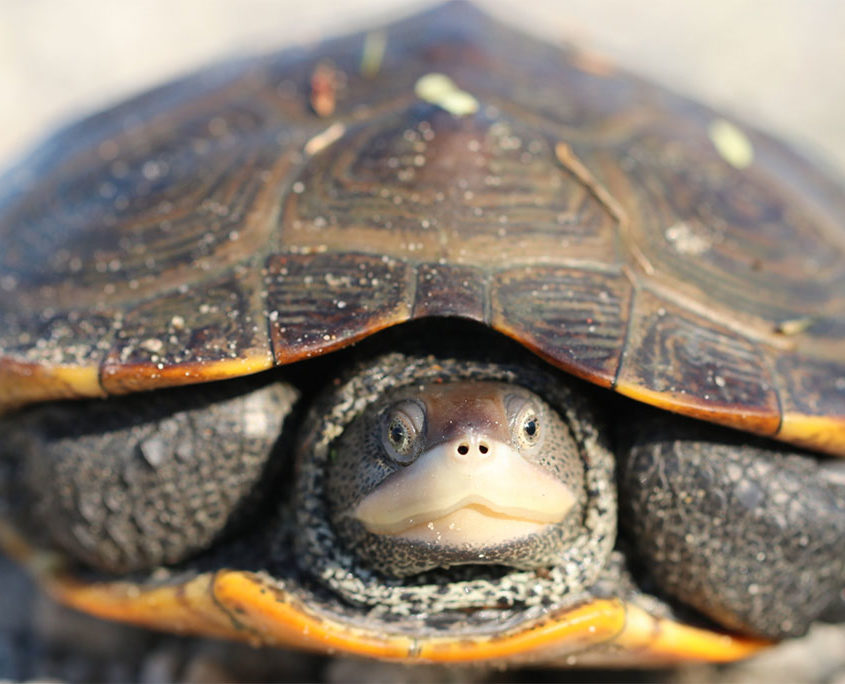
(526, 423)
(402, 426)
(529, 427)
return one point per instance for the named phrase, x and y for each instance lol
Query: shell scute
(564, 165)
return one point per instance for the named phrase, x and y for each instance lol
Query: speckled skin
(318, 544)
(149, 479)
(748, 532)
(698, 505)
(359, 464)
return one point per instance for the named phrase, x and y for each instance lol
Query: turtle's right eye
(402, 427)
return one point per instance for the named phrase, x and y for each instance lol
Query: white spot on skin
(154, 451)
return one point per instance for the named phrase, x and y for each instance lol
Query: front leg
(750, 533)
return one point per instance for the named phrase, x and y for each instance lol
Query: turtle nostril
(463, 449)
(483, 448)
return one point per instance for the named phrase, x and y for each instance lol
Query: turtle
(435, 343)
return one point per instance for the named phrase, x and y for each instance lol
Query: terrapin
(585, 300)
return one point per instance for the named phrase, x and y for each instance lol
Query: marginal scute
(184, 335)
(599, 631)
(573, 317)
(25, 383)
(319, 302)
(814, 402)
(678, 360)
(56, 338)
(814, 386)
(450, 290)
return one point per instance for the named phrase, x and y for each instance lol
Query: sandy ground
(777, 64)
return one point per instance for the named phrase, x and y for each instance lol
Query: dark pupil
(397, 433)
(530, 427)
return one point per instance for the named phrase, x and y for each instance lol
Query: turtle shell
(283, 207)
(280, 208)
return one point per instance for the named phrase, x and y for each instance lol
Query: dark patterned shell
(283, 207)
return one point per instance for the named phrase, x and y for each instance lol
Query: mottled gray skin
(338, 566)
(741, 529)
(746, 532)
(134, 482)
(751, 534)
(360, 464)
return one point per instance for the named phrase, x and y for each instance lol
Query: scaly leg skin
(743, 529)
(151, 478)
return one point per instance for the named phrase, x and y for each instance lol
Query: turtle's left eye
(402, 425)
(530, 426)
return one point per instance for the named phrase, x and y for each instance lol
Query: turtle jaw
(470, 492)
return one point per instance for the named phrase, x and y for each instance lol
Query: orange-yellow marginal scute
(814, 401)
(825, 433)
(123, 379)
(255, 608)
(24, 383)
(647, 640)
(748, 419)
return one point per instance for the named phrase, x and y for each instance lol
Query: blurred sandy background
(779, 64)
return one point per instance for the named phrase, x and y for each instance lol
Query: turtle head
(466, 472)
